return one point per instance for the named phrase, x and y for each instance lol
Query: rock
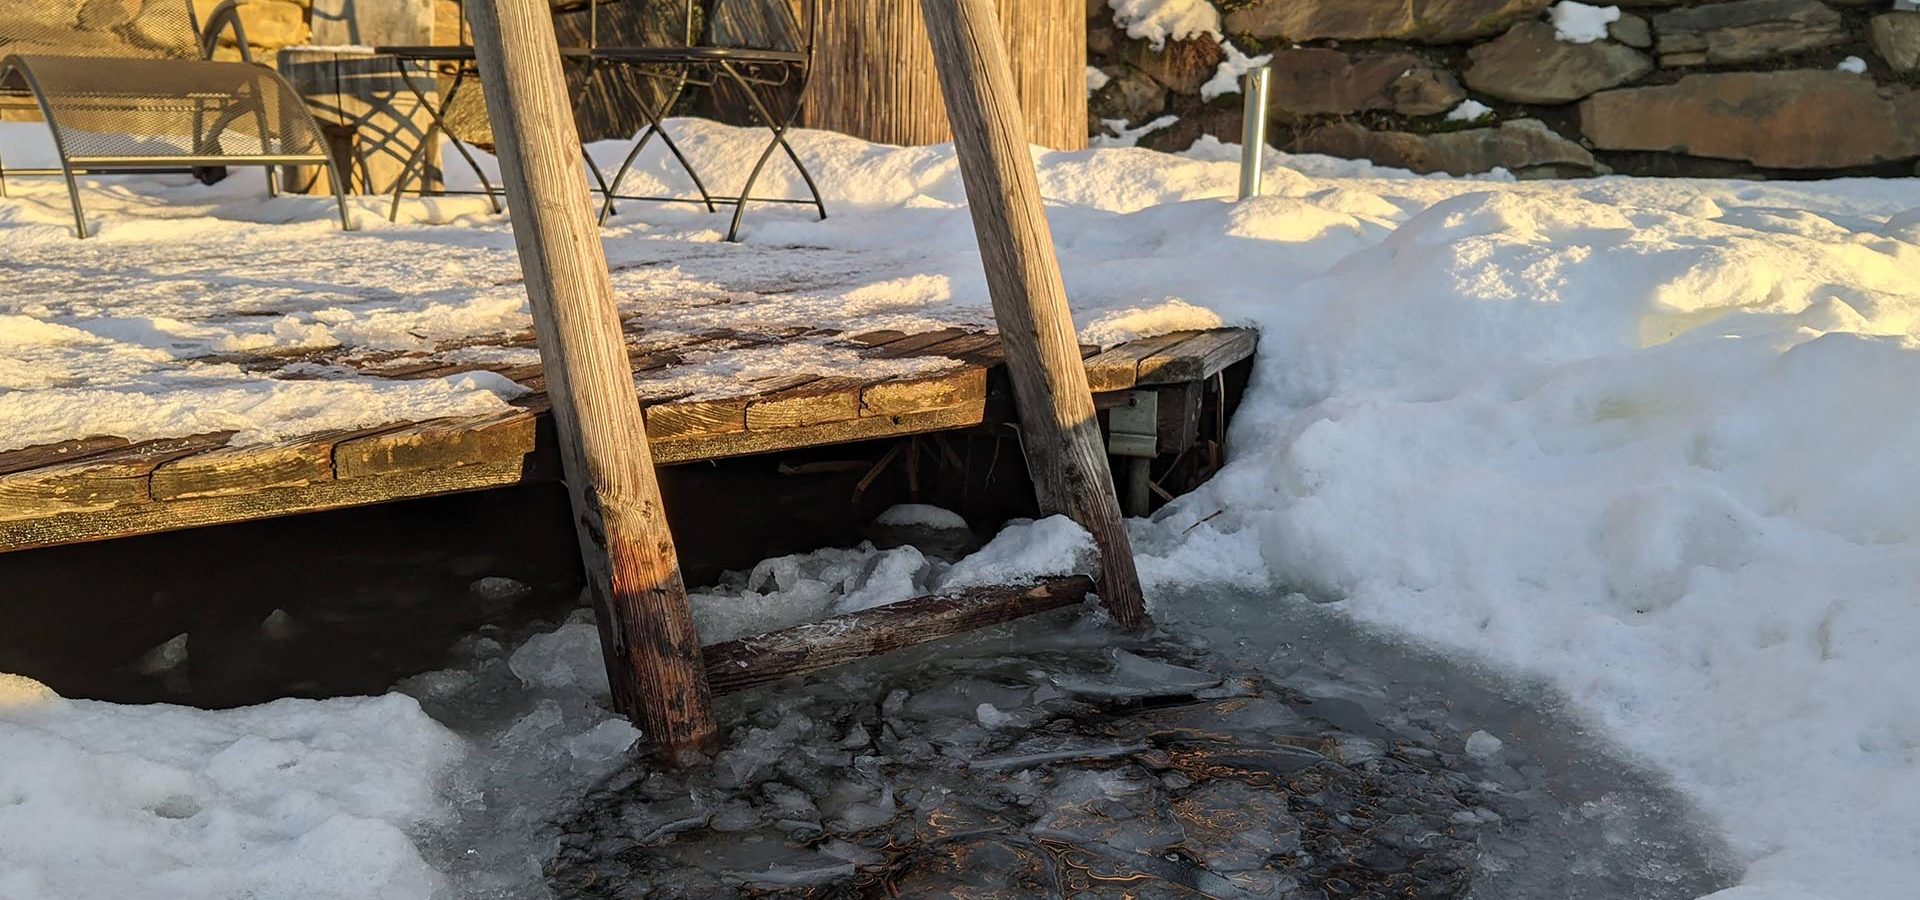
(1744, 31)
(1896, 37)
(1632, 31)
(1317, 81)
(1183, 66)
(1807, 119)
(1481, 745)
(167, 657)
(1529, 65)
(269, 23)
(101, 15)
(277, 626)
(1131, 96)
(495, 589)
(1427, 21)
(1518, 146)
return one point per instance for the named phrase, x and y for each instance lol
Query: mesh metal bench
(131, 87)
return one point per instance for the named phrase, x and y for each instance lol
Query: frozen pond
(1256, 747)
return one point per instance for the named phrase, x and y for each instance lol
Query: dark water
(1214, 759)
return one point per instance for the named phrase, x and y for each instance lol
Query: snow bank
(292, 799)
(1634, 439)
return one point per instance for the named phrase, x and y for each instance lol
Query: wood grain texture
(1061, 436)
(149, 518)
(741, 664)
(863, 428)
(97, 481)
(229, 471)
(820, 401)
(41, 455)
(1119, 368)
(438, 444)
(1199, 357)
(960, 386)
(873, 72)
(651, 648)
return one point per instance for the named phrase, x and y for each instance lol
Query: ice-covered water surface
(1253, 748)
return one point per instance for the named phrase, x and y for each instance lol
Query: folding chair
(137, 91)
(755, 72)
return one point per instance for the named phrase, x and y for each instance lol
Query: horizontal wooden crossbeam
(738, 665)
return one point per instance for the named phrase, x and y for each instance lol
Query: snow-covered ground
(1642, 442)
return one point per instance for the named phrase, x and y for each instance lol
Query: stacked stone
(270, 25)
(1719, 87)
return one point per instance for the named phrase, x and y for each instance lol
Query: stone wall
(270, 25)
(1773, 88)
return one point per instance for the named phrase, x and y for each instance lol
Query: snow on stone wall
(1648, 87)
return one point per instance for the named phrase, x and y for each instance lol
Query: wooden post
(1061, 436)
(646, 630)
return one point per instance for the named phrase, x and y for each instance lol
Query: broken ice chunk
(1136, 677)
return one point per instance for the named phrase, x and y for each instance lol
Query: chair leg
(746, 190)
(779, 130)
(674, 148)
(339, 192)
(417, 157)
(600, 179)
(620, 174)
(460, 146)
(73, 196)
(804, 174)
(436, 126)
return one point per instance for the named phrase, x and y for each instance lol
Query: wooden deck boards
(104, 487)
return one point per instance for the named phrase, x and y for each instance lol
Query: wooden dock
(98, 488)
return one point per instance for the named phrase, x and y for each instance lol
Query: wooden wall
(873, 71)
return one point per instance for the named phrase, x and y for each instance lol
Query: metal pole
(1253, 129)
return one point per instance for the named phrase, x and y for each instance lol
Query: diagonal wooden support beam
(647, 634)
(1060, 435)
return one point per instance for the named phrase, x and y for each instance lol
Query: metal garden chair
(758, 73)
(128, 88)
(596, 44)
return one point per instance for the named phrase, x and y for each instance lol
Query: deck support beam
(647, 635)
(1059, 430)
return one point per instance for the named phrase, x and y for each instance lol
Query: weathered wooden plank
(878, 338)
(817, 402)
(1119, 368)
(147, 518)
(863, 428)
(959, 347)
(953, 387)
(41, 455)
(438, 444)
(226, 471)
(686, 419)
(911, 345)
(737, 665)
(1199, 357)
(99, 481)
